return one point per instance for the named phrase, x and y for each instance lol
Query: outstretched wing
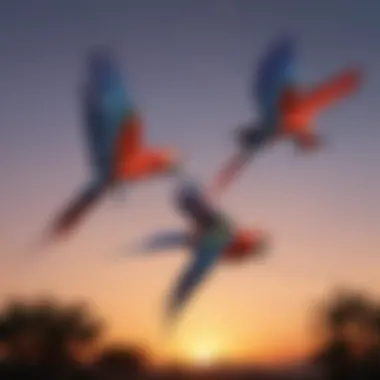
(94, 131)
(106, 106)
(332, 90)
(275, 72)
(206, 255)
(164, 240)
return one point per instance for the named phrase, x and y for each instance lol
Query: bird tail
(76, 210)
(228, 173)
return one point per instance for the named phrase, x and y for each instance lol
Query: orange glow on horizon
(210, 351)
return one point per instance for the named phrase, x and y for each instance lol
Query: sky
(189, 65)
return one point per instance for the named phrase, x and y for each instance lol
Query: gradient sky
(189, 63)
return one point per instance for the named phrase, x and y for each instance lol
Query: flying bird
(287, 109)
(115, 134)
(212, 239)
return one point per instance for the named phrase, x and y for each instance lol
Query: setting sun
(205, 355)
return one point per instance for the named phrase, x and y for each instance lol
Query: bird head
(253, 243)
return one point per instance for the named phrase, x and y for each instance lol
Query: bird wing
(206, 255)
(107, 105)
(94, 131)
(330, 91)
(165, 240)
(275, 72)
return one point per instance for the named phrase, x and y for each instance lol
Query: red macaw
(287, 109)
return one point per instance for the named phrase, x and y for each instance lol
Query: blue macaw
(207, 252)
(212, 234)
(116, 143)
(213, 238)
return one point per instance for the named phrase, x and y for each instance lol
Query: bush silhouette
(351, 322)
(45, 330)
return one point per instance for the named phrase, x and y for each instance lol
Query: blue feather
(107, 104)
(276, 71)
(206, 256)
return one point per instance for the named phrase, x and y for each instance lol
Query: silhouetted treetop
(46, 326)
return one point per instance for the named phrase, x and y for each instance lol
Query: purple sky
(189, 63)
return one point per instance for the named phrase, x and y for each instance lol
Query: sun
(205, 355)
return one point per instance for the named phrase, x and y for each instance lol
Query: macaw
(115, 135)
(212, 239)
(287, 110)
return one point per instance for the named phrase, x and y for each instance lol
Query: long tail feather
(229, 173)
(76, 211)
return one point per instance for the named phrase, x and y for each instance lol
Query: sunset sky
(189, 63)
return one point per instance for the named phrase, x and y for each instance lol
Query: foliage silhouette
(351, 322)
(46, 329)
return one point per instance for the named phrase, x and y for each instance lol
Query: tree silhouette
(346, 307)
(43, 330)
(350, 319)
